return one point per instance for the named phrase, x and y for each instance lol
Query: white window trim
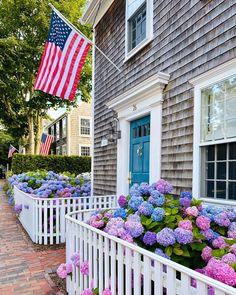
(149, 31)
(84, 117)
(84, 145)
(141, 100)
(213, 76)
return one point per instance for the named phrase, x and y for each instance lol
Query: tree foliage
(24, 26)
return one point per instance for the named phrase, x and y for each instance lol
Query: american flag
(11, 151)
(63, 58)
(46, 141)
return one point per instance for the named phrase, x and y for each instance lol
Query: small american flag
(11, 151)
(63, 58)
(46, 141)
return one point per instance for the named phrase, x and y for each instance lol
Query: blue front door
(139, 150)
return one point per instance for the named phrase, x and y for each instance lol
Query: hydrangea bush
(43, 184)
(177, 228)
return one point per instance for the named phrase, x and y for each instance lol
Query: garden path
(23, 270)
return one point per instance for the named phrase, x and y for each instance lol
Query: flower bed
(179, 230)
(42, 200)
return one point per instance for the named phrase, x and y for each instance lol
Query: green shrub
(72, 164)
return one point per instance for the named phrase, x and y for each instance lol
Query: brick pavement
(23, 270)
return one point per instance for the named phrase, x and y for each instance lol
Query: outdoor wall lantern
(113, 132)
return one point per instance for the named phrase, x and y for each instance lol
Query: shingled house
(174, 101)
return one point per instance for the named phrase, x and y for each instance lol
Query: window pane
(232, 170)
(211, 153)
(221, 170)
(232, 151)
(210, 189)
(220, 190)
(221, 151)
(218, 114)
(210, 170)
(232, 190)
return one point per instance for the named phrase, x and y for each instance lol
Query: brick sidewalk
(22, 269)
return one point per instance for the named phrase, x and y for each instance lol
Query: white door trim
(144, 99)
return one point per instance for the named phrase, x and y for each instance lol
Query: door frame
(142, 100)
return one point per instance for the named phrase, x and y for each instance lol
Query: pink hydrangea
(87, 292)
(164, 186)
(185, 224)
(206, 253)
(192, 211)
(107, 291)
(84, 268)
(203, 222)
(221, 271)
(219, 243)
(64, 269)
(96, 221)
(233, 249)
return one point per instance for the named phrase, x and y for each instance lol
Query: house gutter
(91, 11)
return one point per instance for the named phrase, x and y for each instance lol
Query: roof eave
(91, 11)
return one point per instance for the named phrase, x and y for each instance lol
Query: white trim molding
(92, 11)
(90, 129)
(149, 29)
(208, 78)
(144, 99)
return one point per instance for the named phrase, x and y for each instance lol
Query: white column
(155, 142)
(123, 153)
(68, 134)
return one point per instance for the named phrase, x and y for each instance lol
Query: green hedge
(73, 164)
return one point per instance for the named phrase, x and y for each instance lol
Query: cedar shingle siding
(190, 37)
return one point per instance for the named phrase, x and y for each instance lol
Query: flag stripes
(63, 58)
(11, 151)
(46, 141)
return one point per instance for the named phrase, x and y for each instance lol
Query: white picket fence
(44, 219)
(128, 269)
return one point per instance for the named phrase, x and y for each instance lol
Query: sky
(54, 114)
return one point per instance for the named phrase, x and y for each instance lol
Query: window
(64, 127)
(57, 131)
(84, 150)
(64, 150)
(85, 126)
(214, 157)
(139, 25)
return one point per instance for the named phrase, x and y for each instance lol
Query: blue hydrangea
(186, 195)
(135, 202)
(183, 236)
(149, 238)
(159, 252)
(144, 189)
(145, 209)
(120, 213)
(185, 202)
(156, 198)
(158, 214)
(166, 237)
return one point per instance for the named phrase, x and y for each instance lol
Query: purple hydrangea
(134, 228)
(122, 201)
(219, 243)
(166, 237)
(183, 236)
(163, 186)
(156, 198)
(145, 209)
(208, 234)
(18, 208)
(159, 252)
(149, 238)
(120, 212)
(75, 259)
(232, 230)
(135, 202)
(185, 202)
(229, 258)
(187, 195)
(222, 219)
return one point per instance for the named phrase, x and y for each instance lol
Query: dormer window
(139, 25)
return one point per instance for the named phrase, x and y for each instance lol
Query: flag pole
(76, 29)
